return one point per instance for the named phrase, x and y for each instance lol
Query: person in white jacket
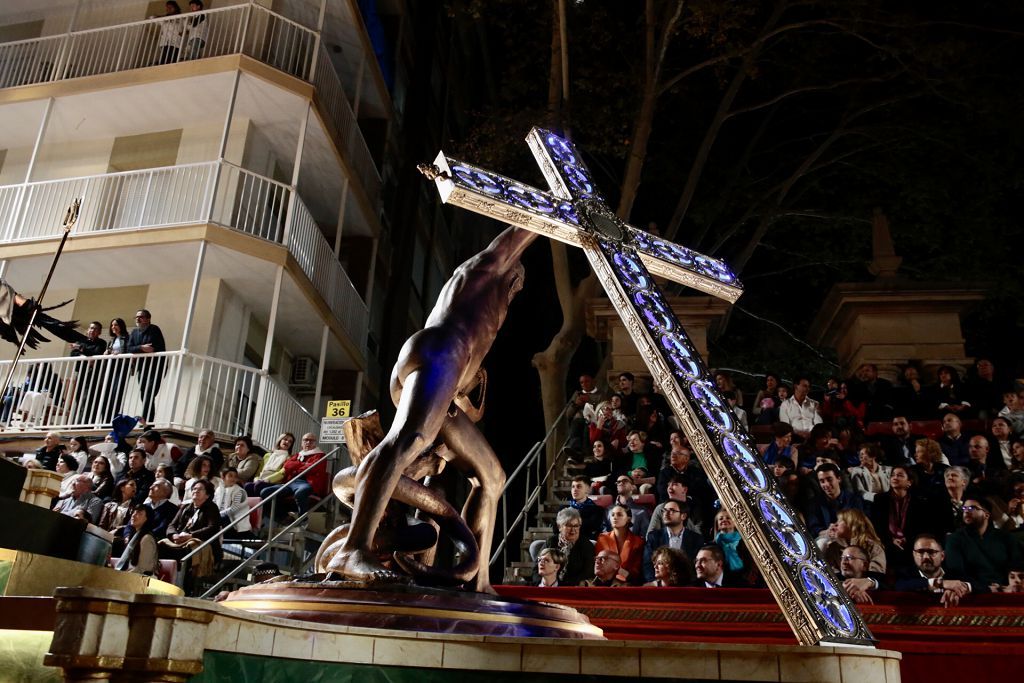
(232, 501)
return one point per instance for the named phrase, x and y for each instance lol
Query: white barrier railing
(178, 195)
(171, 390)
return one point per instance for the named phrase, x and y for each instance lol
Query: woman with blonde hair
(852, 527)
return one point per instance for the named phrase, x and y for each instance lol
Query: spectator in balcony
(147, 338)
(549, 565)
(929, 467)
(608, 426)
(679, 462)
(840, 409)
(979, 552)
(158, 450)
(644, 460)
(116, 514)
(673, 534)
(583, 400)
(986, 467)
(854, 570)
(626, 544)
(606, 569)
(1013, 410)
(116, 345)
(246, 461)
(781, 446)
(639, 517)
(88, 376)
(605, 464)
(823, 510)
(767, 403)
(198, 31)
(853, 528)
(1001, 437)
(652, 422)
(139, 473)
(67, 467)
(800, 410)
(871, 477)
(102, 479)
(313, 483)
(162, 510)
(671, 567)
(206, 444)
(272, 471)
(232, 502)
(78, 448)
(737, 409)
(171, 31)
(577, 551)
(899, 445)
(201, 468)
(590, 513)
(50, 451)
(628, 395)
(140, 553)
(983, 390)
(912, 398)
(726, 386)
(899, 515)
(928, 575)
(709, 566)
(679, 490)
(82, 503)
(197, 521)
(949, 395)
(872, 393)
(954, 443)
(949, 508)
(738, 563)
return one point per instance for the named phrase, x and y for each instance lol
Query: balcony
(249, 30)
(210, 192)
(186, 391)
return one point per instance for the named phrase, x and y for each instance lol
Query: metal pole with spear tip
(70, 218)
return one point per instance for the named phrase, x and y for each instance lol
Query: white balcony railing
(248, 29)
(173, 390)
(181, 195)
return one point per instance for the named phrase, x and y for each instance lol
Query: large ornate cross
(624, 258)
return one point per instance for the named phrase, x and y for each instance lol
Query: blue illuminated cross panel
(624, 259)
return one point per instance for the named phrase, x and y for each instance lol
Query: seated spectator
(680, 461)
(928, 574)
(246, 461)
(577, 553)
(82, 503)
(671, 567)
(1014, 579)
(607, 426)
(1002, 440)
(871, 477)
(821, 447)
(781, 446)
(315, 482)
(679, 490)
(899, 446)
(726, 386)
(839, 409)
(948, 509)
(853, 528)
(737, 560)
(116, 514)
(138, 472)
(201, 467)
(856, 582)
(606, 569)
(1013, 410)
(767, 403)
(603, 466)
(737, 409)
(587, 395)
(652, 422)
(50, 451)
(140, 552)
(673, 534)
(979, 552)
(232, 502)
(626, 544)
(929, 470)
(67, 467)
(549, 565)
(205, 445)
(628, 395)
(1015, 502)
(102, 479)
(899, 515)
(986, 467)
(591, 514)
(983, 389)
(644, 460)
(272, 471)
(787, 480)
(823, 510)
(167, 472)
(197, 521)
(953, 442)
(912, 398)
(709, 567)
(800, 410)
(639, 517)
(78, 448)
(162, 510)
(948, 395)
(875, 395)
(157, 450)
(1017, 454)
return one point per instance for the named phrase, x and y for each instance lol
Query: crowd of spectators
(902, 486)
(159, 502)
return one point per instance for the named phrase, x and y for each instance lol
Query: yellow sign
(338, 408)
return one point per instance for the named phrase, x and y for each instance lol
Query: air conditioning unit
(304, 371)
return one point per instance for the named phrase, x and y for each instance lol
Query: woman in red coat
(627, 545)
(315, 481)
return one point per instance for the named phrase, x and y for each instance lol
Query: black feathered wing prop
(16, 311)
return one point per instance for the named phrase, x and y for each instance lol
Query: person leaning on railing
(314, 483)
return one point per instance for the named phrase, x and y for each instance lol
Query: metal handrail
(532, 496)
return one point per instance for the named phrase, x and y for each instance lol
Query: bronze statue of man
(435, 366)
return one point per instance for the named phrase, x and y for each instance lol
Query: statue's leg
(423, 407)
(474, 456)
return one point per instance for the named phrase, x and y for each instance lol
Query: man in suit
(710, 568)
(147, 338)
(928, 575)
(899, 446)
(673, 534)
